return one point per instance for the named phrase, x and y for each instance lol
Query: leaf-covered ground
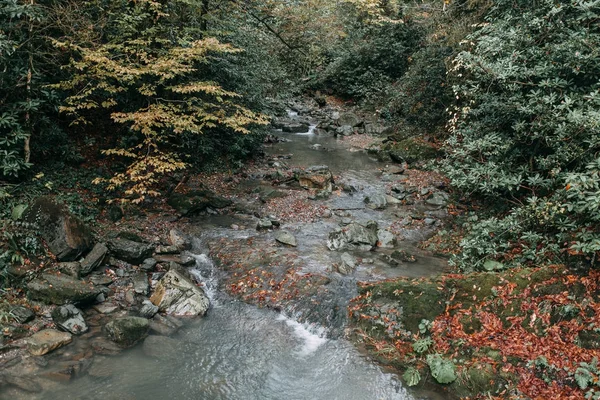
(529, 333)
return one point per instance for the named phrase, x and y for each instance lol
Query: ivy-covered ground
(524, 333)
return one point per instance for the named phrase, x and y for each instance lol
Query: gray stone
(94, 258)
(59, 289)
(130, 251)
(295, 128)
(149, 264)
(161, 347)
(391, 199)
(180, 240)
(171, 249)
(347, 265)
(127, 331)
(385, 239)
(429, 221)
(148, 310)
(177, 295)
(106, 308)
(21, 314)
(24, 383)
(163, 325)
(394, 169)
(286, 238)
(354, 236)
(197, 200)
(316, 177)
(349, 119)
(345, 130)
(101, 280)
(72, 268)
(140, 283)
(69, 318)
(67, 236)
(264, 224)
(47, 340)
(376, 202)
(437, 200)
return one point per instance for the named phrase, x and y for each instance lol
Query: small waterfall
(312, 335)
(205, 274)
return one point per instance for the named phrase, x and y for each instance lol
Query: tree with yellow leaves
(148, 76)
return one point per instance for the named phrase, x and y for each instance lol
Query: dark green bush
(526, 132)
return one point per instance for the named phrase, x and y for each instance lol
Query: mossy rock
(411, 150)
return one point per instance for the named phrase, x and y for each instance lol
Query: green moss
(411, 150)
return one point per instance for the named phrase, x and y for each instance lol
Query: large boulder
(129, 250)
(285, 237)
(349, 119)
(127, 331)
(177, 295)
(411, 150)
(316, 177)
(354, 235)
(67, 236)
(60, 289)
(46, 341)
(196, 201)
(295, 127)
(93, 259)
(70, 319)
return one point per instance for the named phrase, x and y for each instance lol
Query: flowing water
(239, 351)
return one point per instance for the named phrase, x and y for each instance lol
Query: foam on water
(313, 337)
(311, 131)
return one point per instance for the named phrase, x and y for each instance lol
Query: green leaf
(17, 211)
(411, 377)
(444, 371)
(583, 377)
(491, 265)
(421, 345)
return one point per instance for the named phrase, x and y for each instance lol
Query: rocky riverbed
(335, 200)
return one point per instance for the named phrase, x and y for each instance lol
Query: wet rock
(69, 318)
(403, 256)
(161, 347)
(148, 310)
(376, 202)
(25, 383)
(347, 264)
(354, 236)
(22, 315)
(437, 200)
(149, 264)
(385, 239)
(177, 295)
(102, 345)
(180, 240)
(46, 341)
(316, 177)
(130, 251)
(411, 150)
(59, 289)
(286, 238)
(101, 368)
(429, 221)
(94, 258)
(264, 224)
(106, 308)
(67, 236)
(166, 249)
(164, 326)
(391, 199)
(394, 169)
(196, 201)
(140, 283)
(344, 130)
(127, 331)
(349, 119)
(72, 269)
(295, 127)
(100, 280)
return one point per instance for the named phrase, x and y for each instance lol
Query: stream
(240, 351)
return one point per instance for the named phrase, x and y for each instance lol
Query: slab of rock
(354, 235)
(437, 200)
(21, 314)
(127, 331)
(102, 280)
(26, 383)
(70, 319)
(264, 224)
(180, 240)
(94, 258)
(166, 249)
(149, 264)
(60, 289)
(163, 325)
(106, 308)
(295, 127)
(140, 283)
(286, 238)
(67, 236)
(71, 268)
(148, 310)
(376, 202)
(316, 177)
(161, 347)
(196, 201)
(386, 239)
(46, 341)
(130, 251)
(347, 265)
(349, 119)
(177, 295)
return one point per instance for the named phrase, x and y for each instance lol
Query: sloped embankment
(526, 332)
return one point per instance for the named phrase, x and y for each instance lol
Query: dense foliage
(525, 133)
